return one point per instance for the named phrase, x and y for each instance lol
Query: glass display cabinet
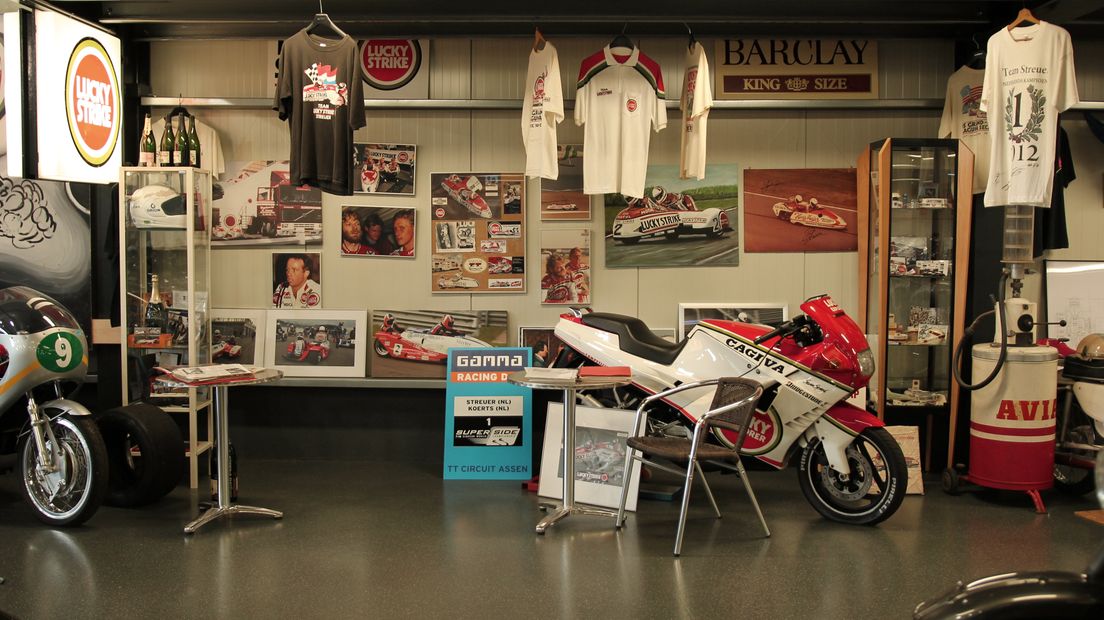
(914, 237)
(165, 252)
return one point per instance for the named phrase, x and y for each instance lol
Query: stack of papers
(216, 373)
(558, 374)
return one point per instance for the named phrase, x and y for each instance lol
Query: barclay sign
(796, 69)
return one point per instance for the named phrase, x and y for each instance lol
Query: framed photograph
(565, 264)
(384, 168)
(546, 346)
(600, 436)
(238, 336)
(256, 204)
(763, 314)
(677, 222)
(317, 343)
(296, 279)
(414, 343)
(563, 198)
(801, 210)
(378, 231)
(478, 222)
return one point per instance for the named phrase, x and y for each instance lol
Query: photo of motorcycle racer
(801, 210)
(390, 324)
(403, 227)
(298, 286)
(384, 168)
(562, 286)
(351, 233)
(445, 327)
(415, 343)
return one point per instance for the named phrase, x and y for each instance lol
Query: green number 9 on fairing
(64, 352)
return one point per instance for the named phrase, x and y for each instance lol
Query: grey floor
(390, 540)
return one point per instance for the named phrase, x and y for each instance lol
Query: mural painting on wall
(565, 259)
(478, 231)
(415, 343)
(563, 198)
(800, 210)
(46, 241)
(256, 204)
(378, 231)
(677, 222)
(384, 168)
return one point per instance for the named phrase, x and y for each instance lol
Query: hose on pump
(968, 335)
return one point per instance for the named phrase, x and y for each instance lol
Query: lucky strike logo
(92, 102)
(404, 157)
(389, 64)
(631, 105)
(762, 434)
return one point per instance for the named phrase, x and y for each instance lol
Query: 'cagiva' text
(755, 355)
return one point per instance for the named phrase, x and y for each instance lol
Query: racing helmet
(1091, 347)
(158, 206)
(659, 195)
(446, 321)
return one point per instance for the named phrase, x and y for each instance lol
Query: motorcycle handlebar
(784, 328)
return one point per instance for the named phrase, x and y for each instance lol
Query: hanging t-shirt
(697, 99)
(1050, 224)
(210, 147)
(319, 92)
(620, 97)
(541, 112)
(963, 119)
(1029, 79)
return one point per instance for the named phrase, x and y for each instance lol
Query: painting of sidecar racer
(800, 210)
(415, 343)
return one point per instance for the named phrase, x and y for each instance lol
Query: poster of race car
(677, 222)
(600, 436)
(238, 336)
(546, 346)
(800, 210)
(563, 198)
(378, 231)
(317, 343)
(415, 343)
(565, 257)
(478, 233)
(256, 204)
(296, 279)
(690, 315)
(384, 168)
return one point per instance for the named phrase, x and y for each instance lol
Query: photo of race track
(718, 193)
(234, 341)
(562, 198)
(834, 190)
(488, 326)
(335, 336)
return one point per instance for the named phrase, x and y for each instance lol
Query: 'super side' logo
(389, 64)
(92, 102)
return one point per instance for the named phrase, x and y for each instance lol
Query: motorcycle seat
(634, 337)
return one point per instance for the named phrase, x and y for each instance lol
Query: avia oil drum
(1012, 420)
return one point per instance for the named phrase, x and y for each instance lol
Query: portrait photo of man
(295, 279)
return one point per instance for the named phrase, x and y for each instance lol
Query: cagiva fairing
(851, 469)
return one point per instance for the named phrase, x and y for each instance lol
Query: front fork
(835, 441)
(42, 433)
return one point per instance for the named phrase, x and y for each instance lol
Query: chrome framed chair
(733, 405)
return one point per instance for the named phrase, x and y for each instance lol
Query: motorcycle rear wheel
(873, 491)
(1070, 479)
(73, 493)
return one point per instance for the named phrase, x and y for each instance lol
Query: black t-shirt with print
(319, 92)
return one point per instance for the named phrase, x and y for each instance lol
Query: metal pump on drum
(1012, 410)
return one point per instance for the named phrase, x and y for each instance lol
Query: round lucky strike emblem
(495, 228)
(439, 213)
(631, 105)
(92, 102)
(762, 435)
(404, 157)
(389, 64)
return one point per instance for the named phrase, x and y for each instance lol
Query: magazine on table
(216, 373)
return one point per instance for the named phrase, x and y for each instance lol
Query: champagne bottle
(180, 151)
(193, 143)
(213, 467)
(147, 149)
(168, 142)
(155, 308)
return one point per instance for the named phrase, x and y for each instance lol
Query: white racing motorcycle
(850, 469)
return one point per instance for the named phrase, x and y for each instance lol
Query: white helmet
(157, 206)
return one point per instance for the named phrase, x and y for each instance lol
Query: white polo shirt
(697, 99)
(541, 112)
(620, 96)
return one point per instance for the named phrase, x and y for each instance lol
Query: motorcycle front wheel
(870, 494)
(73, 492)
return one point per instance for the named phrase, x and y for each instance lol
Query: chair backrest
(733, 390)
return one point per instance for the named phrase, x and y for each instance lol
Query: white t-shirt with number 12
(1029, 79)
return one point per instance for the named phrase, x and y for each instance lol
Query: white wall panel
(235, 68)
(914, 68)
(450, 69)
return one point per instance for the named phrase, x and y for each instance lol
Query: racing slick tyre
(671, 236)
(629, 240)
(380, 349)
(873, 491)
(143, 451)
(73, 492)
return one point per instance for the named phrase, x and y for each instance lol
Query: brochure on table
(488, 421)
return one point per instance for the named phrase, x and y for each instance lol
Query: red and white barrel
(1012, 418)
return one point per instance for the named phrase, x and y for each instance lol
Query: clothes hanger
(977, 60)
(538, 40)
(179, 109)
(692, 41)
(622, 40)
(323, 22)
(1023, 16)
